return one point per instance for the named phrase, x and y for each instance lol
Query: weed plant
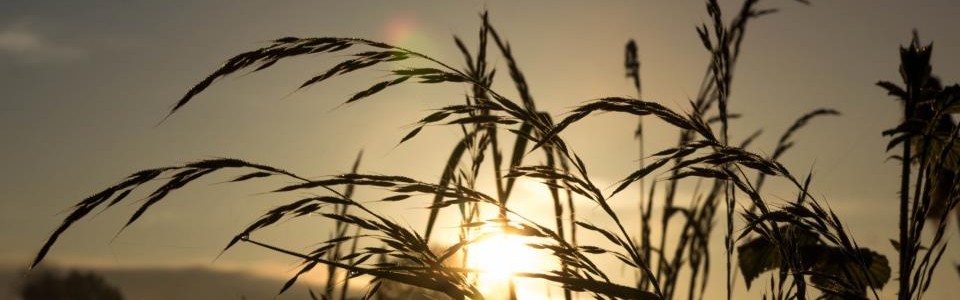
(801, 247)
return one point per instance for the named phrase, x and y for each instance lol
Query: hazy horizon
(174, 282)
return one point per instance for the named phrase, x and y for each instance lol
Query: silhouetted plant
(804, 242)
(927, 138)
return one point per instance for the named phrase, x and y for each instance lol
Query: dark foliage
(74, 285)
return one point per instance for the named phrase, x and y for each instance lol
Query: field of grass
(797, 249)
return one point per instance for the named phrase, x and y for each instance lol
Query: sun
(501, 255)
(497, 256)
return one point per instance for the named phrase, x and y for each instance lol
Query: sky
(84, 85)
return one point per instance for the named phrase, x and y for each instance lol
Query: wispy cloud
(22, 43)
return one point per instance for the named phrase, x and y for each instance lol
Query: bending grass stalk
(718, 83)
(605, 288)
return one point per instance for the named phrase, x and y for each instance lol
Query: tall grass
(802, 246)
(927, 138)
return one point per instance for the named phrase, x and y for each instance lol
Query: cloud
(21, 43)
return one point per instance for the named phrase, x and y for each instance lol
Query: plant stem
(905, 243)
(904, 239)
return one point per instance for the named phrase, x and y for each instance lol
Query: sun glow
(501, 255)
(498, 256)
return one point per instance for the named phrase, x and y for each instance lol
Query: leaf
(755, 257)
(395, 198)
(637, 175)
(893, 89)
(265, 57)
(410, 135)
(251, 176)
(448, 172)
(516, 156)
(177, 182)
(832, 260)
(759, 255)
(610, 236)
(376, 88)
(592, 249)
(436, 116)
(293, 279)
(483, 119)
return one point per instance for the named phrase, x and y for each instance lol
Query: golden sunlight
(498, 256)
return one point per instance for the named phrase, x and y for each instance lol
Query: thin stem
(904, 222)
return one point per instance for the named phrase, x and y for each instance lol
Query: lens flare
(405, 31)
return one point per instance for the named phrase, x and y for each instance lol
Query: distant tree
(75, 285)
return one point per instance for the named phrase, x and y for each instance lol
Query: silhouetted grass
(802, 244)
